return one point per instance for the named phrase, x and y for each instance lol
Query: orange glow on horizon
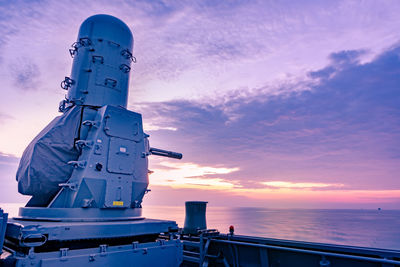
(194, 176)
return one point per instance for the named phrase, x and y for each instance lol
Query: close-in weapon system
(94, 155)
(87, 171)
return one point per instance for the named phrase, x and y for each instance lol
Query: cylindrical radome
(195, 217)
(102, 63)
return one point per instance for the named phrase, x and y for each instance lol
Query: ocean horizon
(353, 227)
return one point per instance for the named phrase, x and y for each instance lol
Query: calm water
(368, 228)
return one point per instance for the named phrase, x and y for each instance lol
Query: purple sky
(289, 104)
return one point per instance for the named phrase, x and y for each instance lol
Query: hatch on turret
(121, 156)
(123, 123)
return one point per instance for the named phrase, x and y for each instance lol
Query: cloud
(153, 127)
(25, 74)
(343, 129)
(188, 49)
(275, 198)
(8, 159)
(252, 85)
(346, 57)
(191, 175)
(282, 184)
(4, 117)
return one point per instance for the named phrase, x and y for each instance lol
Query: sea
(354, 227)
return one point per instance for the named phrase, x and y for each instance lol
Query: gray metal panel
(118, 193)
(123, 123)
(20, 229)
(166, 253)
(78, 214)
(121, 156)
(108, 76)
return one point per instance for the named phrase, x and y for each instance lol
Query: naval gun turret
(87, 171)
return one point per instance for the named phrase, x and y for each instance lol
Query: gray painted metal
(236, 250)
(3, 226)
(112, 170)
(195, 217)
(314, 252)
(165, 153)
(23, 230)
(102, 62)
(161, 253)
(78, 214)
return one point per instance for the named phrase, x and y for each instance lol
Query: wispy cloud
(283, 184)
(154, 127)
(189, 49)
(8, 159)
(4, 117)
(191, 175)
(25, 74)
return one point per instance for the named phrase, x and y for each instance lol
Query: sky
(276, 104)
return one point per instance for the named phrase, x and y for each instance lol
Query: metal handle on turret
(165, 153)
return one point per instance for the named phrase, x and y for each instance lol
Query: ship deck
(236, 250)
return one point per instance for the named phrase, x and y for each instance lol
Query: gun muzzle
(165, 153)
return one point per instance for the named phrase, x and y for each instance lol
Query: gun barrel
(165, 153)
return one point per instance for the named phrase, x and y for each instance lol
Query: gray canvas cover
(44, 162)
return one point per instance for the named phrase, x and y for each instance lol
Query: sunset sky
(277, 104)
